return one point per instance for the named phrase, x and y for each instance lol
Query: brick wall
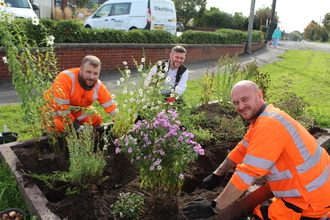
(113, 55)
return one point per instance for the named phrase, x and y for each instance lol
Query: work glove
(170, 99)
(198, 208)
(78, 127)
(210, 181)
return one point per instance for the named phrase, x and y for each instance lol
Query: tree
(265, 14)
(326, 22)
(240, 22)
(310, 30)
(188, 9)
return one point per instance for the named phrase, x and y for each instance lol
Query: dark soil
(95, 202)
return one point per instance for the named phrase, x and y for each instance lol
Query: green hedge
(71, 31)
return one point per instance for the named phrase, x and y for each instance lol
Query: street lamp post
(250, 27)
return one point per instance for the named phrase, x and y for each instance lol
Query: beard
(88, 82)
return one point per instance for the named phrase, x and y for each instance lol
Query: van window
(121, 9)
(18, 3)
(103, 12)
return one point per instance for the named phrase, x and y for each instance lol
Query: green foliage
(188, 9)
(326, 22)
(262, 15)
(222, 36)
(296, 107)
(314, 32)
(86, 160)
(251, 72)
(68, 31)
(10, 195)
(32, 69)
(128, 205)
(86, 166)
(299, 73)
(161, 149)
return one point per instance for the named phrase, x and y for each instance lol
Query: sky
(293, 14)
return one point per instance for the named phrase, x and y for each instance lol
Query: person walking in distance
(277, 34)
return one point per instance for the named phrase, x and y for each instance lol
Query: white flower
(131, 93)
(124, 105)
(116, 103)
(121, 79)
(138, 101)
(4, 59)
(128, 71)
(166, 69)
(113, 96)
(129, 110)
(144, 107)
(133, 83)
(118, 83)
(125, 91)
(50, 40)
(168, 79)
(35, 20)
(2, 3)
(140, 90)
(143, 60)
(159, 62)
(144, 75)
(125, 63)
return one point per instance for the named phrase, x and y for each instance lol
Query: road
(265, 55)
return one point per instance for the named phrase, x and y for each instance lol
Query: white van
(134, 14)
(23, 8)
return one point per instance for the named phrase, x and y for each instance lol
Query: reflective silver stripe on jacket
(310, 161)
(61, 113)
(107, 104)
(62, 101)
(73, 81)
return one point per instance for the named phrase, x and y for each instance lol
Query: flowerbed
(120, 176)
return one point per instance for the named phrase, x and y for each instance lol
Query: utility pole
(250, 27)
(273, 11)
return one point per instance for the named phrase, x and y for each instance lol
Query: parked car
(23, 8)
(134, 14)
(179, 26)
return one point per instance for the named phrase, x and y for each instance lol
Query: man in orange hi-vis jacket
(278, 148)
(71, 97)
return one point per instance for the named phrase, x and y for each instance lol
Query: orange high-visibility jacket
(282, 150)
(68, 94)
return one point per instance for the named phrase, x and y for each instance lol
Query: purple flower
(180, 138)
(130, 150)
(201, 151)
(117, 150)
(181, 176)
(159, 167)
(152, 167)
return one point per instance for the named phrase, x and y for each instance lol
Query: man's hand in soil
(210, 181)
(199, 208)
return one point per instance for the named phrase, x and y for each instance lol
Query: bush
(73, 31)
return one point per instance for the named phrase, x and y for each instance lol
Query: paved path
(265, 55)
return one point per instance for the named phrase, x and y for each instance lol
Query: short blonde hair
(93, 60)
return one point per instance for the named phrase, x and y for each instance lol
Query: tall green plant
(228, 72)
(32, 68)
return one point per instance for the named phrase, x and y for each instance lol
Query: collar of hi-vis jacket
(262, 109)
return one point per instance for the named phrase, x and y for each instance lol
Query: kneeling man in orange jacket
(72, 94)
(277, 147)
